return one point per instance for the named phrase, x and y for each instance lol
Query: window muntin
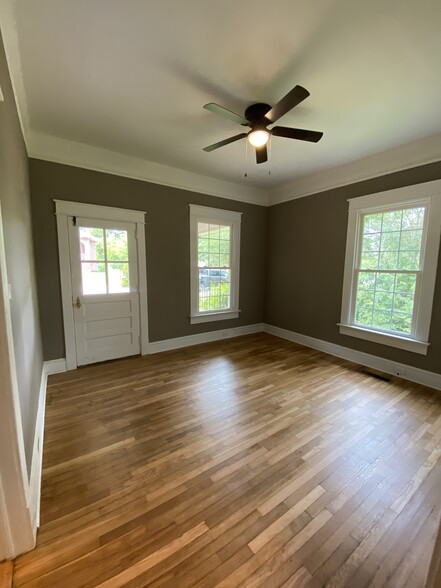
(215, 258)
(388, 269)
(381, 264)
(104, 260)
(214, 266)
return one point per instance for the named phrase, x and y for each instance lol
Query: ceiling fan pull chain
(270, 154)
(246, 159)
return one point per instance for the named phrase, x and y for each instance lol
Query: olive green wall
(16, 218)
(167, 244)
(305, 261)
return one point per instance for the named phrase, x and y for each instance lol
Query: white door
(105, 293)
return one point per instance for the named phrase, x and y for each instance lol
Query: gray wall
(307, 240)
(167, 243)
(16, 218)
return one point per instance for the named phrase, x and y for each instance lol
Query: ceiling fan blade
(225, 142)
(261, 154)
(297, 95)
(212, 107)
(300, 134)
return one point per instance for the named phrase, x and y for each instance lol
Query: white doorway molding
(65, 211)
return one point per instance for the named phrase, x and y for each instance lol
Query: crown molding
(9, 34)
(48, 148)
(416, 153)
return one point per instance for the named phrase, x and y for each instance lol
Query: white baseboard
(55, 366)
(49, 367)
(388, 366)
(178, 342)
(37, 455)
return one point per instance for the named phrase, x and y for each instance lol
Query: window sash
(425, 194)
(205, 215)
(416, 273)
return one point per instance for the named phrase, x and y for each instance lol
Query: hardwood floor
(248, 462)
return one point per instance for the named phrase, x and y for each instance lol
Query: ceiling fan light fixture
(258, 138)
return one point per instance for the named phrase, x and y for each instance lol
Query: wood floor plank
(247, 462)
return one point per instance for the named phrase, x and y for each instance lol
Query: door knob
(78, 302)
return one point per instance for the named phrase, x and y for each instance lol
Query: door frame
(64, 211)
(17, 531)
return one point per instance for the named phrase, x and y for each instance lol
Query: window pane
(366, 280)
(363, 317)
(388, 260)
(372, 223)
(406, 283)
(385, 301)
(381, 319)
(91, 244)
(402, 323)
(409, 260)
(116, 245)
(386, 282)
(390, 241)
(214, 289)
(365, 298)
(202, 251)
(413, 218)
(411, 240)
(371, 242)
(392, 220)
(369, 260)
(214, 232)
(118, 277)
(93, 278)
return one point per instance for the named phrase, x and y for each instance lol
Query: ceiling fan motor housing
(256, 114)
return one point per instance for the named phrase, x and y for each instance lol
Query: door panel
(105, 290)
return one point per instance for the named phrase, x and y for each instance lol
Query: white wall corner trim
(416, 153)
(388, 366)
(189, 340)
(48, 148)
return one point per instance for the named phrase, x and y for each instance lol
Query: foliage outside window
(104, 260)
(390, 267)
(214, 250)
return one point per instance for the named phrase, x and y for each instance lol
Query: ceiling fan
(258, 117)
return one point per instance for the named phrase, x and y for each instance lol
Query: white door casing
(101, 326)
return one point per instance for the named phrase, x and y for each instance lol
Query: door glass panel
(116, 245)
(91, 244)
(93, 277)
(104, 255)
(118, 277)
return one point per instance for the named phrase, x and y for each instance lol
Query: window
(214, 252)
(390, 269)
(104, 260)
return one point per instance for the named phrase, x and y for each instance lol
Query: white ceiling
(131, 76)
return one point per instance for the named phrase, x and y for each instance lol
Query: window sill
(412, 345)
(214, 316)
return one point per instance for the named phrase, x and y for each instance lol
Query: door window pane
(116, 245)
(91, 244)
(93, 277)
(118, 277)
(104, 261)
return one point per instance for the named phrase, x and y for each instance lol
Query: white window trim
(207, 215)
(428, 194)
